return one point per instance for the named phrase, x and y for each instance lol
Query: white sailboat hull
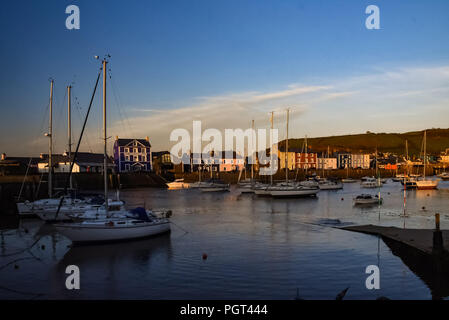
(426, 184)
(335, 186)
(85, 233)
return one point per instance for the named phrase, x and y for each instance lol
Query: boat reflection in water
(103, 267)
(142, 250)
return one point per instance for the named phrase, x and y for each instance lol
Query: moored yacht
(126, 225)
(426, 183)
(114, 229)
(216, 185)
(368, 182)
(330, 185)
(367, 199)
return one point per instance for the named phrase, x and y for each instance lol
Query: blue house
(132, 155)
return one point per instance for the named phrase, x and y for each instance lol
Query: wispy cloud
(399, 99)
(353, 104)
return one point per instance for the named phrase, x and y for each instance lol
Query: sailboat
(118, 226)
(426, 184)
(287, 189)
(328, 184)
(46, 208)
(347, 179)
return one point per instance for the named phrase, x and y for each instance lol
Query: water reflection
(434, 271)
(138, 252)
(258, 248)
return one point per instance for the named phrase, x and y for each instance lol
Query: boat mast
(69, 127)
(252, 155)
(271, 152)
(425, 157)
(286, 152)
(105, 164)
(306, 154)
(50, 143)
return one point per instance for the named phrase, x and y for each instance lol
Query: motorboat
(370, 183)
(367, 199)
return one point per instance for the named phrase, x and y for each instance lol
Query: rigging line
(185, 231)
(58, 119)
(78, 146)
(116, 91)
(22, 251)
(78, 108)
(117, 104)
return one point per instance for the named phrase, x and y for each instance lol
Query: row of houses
(134, 155)
(129, 155)
(297, 159)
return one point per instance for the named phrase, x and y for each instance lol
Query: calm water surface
(258, 248)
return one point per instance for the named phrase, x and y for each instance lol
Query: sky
(224, 63)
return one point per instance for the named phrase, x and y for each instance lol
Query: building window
(126, 149)
(127, 158)
(126, 167)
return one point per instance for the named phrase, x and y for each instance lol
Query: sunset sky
(225, 63)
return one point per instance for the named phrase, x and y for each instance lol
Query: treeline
(437, 142)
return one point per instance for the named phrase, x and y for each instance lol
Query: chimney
(3, 156)
(148, 139)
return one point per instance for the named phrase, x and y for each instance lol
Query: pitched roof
(123, 142)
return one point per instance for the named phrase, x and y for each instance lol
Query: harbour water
(257, 248)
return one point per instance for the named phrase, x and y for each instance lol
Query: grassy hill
(437, 141)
